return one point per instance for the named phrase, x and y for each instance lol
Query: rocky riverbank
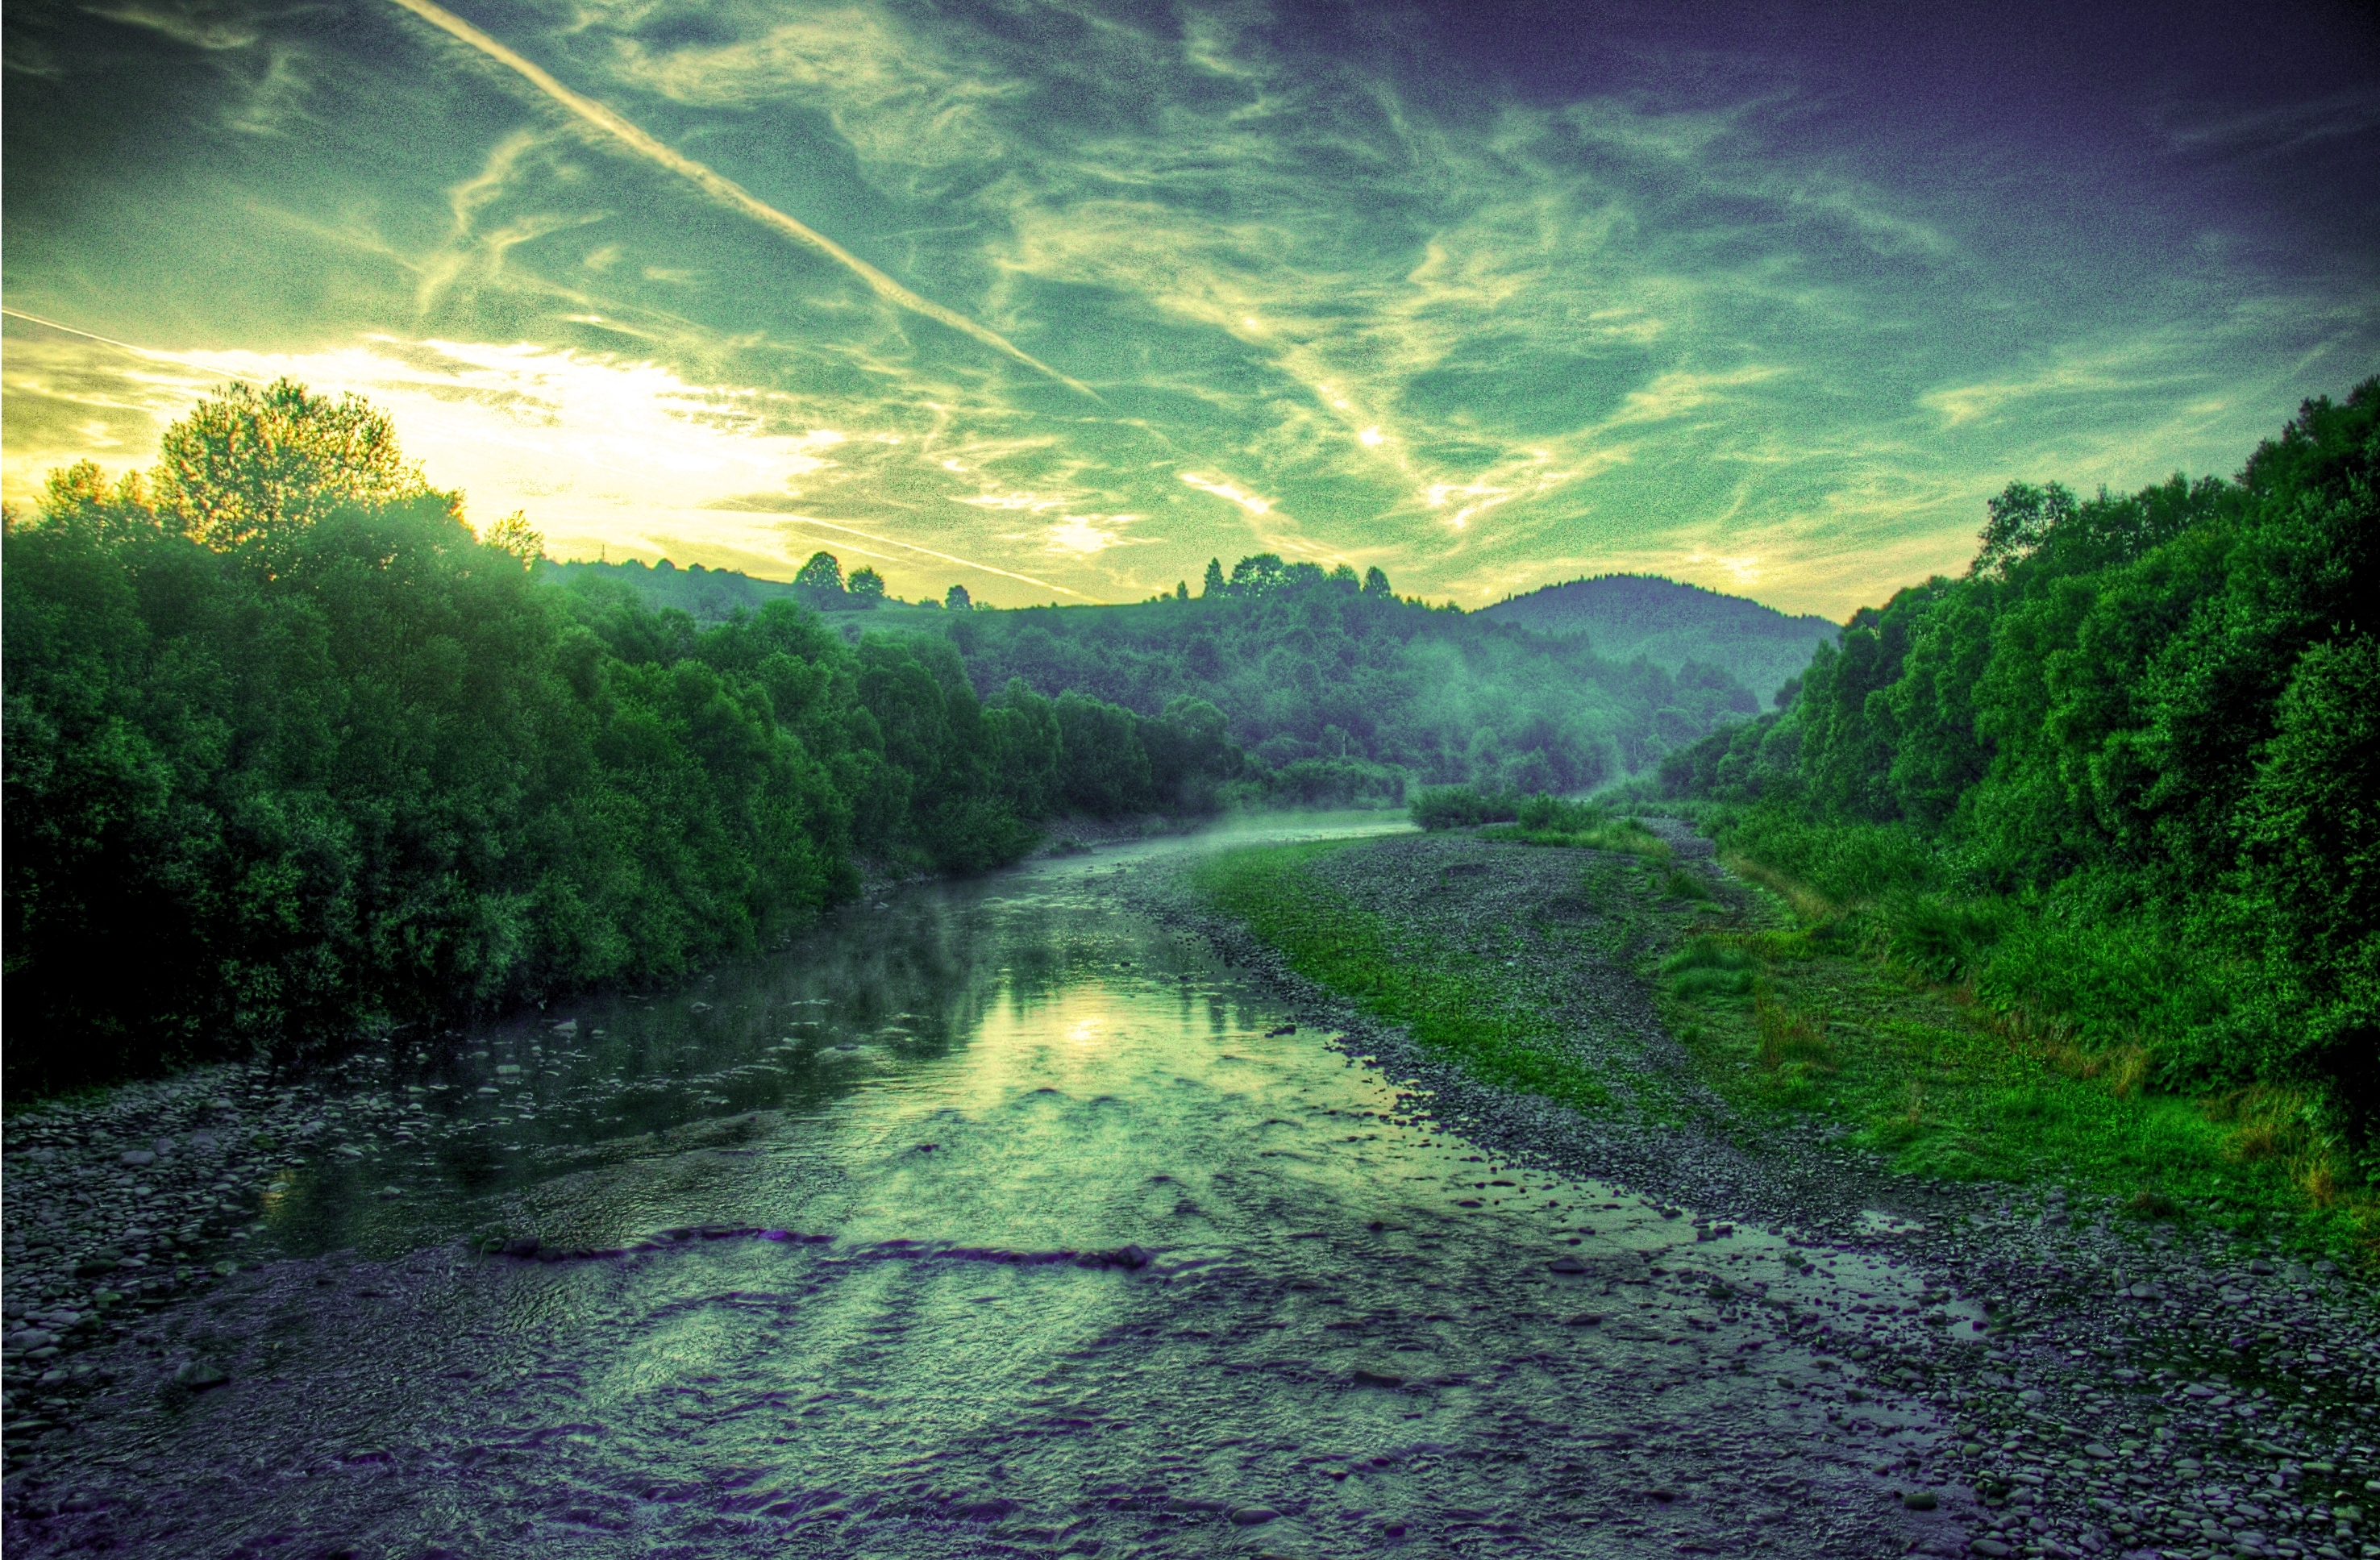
(118, 1204)
(2133, 1388)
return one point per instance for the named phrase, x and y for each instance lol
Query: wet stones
(197, 1375)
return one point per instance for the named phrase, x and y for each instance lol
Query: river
(992, 1217)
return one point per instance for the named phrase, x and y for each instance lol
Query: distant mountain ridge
(1625, 616)
(1622, 616)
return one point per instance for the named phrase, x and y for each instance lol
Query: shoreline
(2138, 1384)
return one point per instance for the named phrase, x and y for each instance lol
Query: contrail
(723, 190)
(139, 351)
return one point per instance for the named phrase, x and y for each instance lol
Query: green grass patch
(1448, 1003)
(1619, 834)
(1803, 1021)
(1789, 1015)
(1683, 885)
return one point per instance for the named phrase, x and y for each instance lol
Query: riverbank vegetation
(1450, 1004)
(2116, 786)
(291, 756)
(1797, 1022)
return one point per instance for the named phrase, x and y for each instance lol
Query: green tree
(956, 600)
(823, 571)
(513, 536)
(250, 468)
(867, 584)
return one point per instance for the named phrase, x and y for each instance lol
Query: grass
(1446, 1002)
(1618, 834)
(1790, 1019)
(1792, 1010)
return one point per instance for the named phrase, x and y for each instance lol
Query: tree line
(291, 756)
(1343, 691)
(2122, 773)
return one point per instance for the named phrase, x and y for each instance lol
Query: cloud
(200, 26)
(1336, 305)
(722, 190)
(1230, 492)
(889, 93)
(1084, 535)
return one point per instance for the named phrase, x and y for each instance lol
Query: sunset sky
(1058, 301)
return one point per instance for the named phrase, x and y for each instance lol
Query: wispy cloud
(1334, 305)
(721, 188)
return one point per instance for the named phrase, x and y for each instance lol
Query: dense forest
(1343, 690)
(1626, 616)
(290, 755)
(715, 596)
(2122, 775)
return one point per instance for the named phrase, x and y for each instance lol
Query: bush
(1461, 806)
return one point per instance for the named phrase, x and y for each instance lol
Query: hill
(1625, 616)
(1318, 669)
(1340, 689)
(712, 597)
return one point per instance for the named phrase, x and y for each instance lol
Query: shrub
(1461, 806)
(1683, 885)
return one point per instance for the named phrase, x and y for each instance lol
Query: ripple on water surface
(1011, 1227)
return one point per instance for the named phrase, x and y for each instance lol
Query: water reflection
(994, 1218)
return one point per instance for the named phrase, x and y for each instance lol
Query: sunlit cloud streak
(1699, 299)
(723, 190)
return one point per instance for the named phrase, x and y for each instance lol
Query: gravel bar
(2132, 1389)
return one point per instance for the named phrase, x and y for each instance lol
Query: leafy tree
(957, 599)
(513, 535)
(867, 584)
(2149, 714)
(397, 779)
(1212, 585)
(250, 468)
(823, 571)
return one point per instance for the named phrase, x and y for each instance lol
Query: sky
(1057, 301)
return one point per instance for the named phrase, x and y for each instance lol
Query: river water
(990, 1218)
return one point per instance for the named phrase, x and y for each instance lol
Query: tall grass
(2119, 1014)
(1547, 820)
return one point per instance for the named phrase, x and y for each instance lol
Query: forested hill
(2119, 778)
(708, 596)
(1340, 689)
(712, 597)
(1313, 669)
(1624, 616)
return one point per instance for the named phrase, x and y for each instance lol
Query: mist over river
(993, 1217)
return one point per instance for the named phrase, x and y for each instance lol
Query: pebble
(2094, 1377)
